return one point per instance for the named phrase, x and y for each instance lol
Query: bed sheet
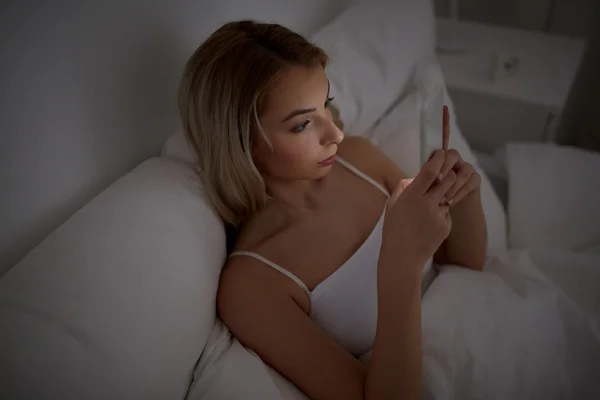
(528, 327)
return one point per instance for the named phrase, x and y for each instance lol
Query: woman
(332, 237)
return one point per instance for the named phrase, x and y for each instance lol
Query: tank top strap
(272, 265)
(362, 175)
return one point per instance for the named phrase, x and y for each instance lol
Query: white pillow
(227, 370)
(553, 197)
(373, 47)
(119, 301)
(177, 147)
(397, 135)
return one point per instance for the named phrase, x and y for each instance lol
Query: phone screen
(431, 121)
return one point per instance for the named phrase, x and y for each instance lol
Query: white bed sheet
(528, 327)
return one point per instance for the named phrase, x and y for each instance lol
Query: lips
(328, 161)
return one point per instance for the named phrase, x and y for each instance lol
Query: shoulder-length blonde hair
(221, 96)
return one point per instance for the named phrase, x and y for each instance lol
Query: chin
(322, 171)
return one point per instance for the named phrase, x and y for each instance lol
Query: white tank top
(344, 305)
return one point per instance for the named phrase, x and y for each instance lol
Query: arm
(269, 315)
(398, 339)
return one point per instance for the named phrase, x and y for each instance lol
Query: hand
(416, 223)
(467, 179)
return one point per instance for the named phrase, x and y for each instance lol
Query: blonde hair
(221, 95)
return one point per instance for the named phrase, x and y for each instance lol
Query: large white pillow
(553, 197)
(119, 301)
(373, 48)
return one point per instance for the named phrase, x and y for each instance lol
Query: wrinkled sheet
(527, 327)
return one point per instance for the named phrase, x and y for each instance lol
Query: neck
(302, 194)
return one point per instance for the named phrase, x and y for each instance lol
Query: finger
(429, 173)
(452, 161)
(462, 177)
(400, 187)
(439, 190)
(467, 188)
(445, 128)
(445, 209)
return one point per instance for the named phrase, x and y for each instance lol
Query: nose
(332, 134)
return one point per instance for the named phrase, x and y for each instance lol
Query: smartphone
(431, 121)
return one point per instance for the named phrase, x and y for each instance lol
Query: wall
(565, 17)
(88, 92)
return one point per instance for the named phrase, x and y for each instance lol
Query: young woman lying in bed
(332, 236)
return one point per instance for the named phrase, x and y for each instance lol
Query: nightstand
(523, 107)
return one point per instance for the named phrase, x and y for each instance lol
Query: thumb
(400, 187)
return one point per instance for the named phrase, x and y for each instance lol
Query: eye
(301, 127)
(328, 101)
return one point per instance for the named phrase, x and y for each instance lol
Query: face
(297, 122)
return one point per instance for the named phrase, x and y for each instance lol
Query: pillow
(553, 197)
(397, 134)
(373, 47)
(119, 301)
(177, 148)
(227, 370)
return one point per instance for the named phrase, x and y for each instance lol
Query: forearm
(395, 369)
(467, 242)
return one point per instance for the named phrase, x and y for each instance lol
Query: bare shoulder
(367, 157)
(245, 281)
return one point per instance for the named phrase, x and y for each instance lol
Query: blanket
(527, 327)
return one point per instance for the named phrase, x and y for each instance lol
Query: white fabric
(515, 331)
(229, 371)
(554, 197)
(373, 48)
(119, 301)
(353, 286)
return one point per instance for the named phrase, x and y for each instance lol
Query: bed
(119, 302)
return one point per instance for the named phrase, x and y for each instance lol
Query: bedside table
(523, 107)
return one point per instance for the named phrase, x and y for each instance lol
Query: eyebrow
(303, 111)
(299, 112)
